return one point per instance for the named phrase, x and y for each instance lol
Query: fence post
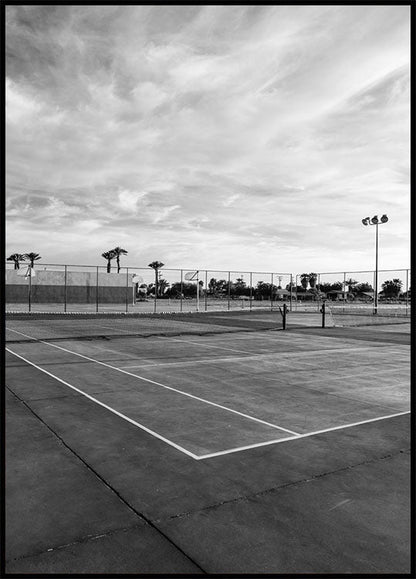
(229, 290)
(271, 292)
(206, 290)
(345, 280)
(290, 292)
(407, 289)
(127, 290)
(65, 285)
(96, 292)
(284, 315)
(180, 306)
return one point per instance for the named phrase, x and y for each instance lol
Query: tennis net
(363, 315)
(52, 327)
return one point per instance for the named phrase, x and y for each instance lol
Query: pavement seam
(141, 516)
(286, 485)
(81, 540)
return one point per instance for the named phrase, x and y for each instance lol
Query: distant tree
(108, 255)
(156, 265)
(162, 286)
(17, 258)
(351, 283)
(304, 280)
(217, 287)
(363, 287)
(117, 252)
(312, 280)
(392, 288)
(32, 257)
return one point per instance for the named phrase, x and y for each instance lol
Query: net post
(323, 314)
(96, 291)
(284, 315)
(127, 290)
(65, 286)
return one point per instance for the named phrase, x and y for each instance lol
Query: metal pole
(156, 281)
(344, 284)
(251, 290)
(197, 290)
(376, 278)
(323, 314)
(30, 290)
(290, 291)
(96, 292)
(65, 296)
(127, 290)
(229, 289)
(407, 289)
(181, 289)
(284, 316)
(206, 288)
(271, 292)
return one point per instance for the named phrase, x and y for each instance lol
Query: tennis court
(206, 443)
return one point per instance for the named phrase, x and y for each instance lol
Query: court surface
(248, 452)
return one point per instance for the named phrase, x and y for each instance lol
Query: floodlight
(375, 221)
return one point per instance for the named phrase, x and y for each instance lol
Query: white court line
(141, 426)
(164, 386)
(205, 345)
(306, 435)
(196, 457)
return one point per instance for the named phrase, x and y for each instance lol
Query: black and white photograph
(207, 289)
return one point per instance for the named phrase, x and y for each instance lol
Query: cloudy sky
(223, 137)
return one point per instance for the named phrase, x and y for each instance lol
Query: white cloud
(201, 127)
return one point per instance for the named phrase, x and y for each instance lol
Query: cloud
(178, 123)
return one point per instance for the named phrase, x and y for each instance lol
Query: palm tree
(117, 252)
(312, 280)
(108, 255)
(16, 257)
(156, 265)
(351, 283)
(304, 280)
(32, 257)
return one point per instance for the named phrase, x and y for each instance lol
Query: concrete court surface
(89, 492)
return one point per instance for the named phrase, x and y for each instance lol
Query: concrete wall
(81, 287)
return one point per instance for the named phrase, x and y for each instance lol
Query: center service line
(164, 386)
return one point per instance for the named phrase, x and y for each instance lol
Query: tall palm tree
(108, 255)
(304, 280)
(117, 252)
(17, 258)
(32, 257)
(156, 265)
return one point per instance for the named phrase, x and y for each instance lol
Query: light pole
(375, 221)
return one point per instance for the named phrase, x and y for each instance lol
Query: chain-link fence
(95, 289)
(82, 288)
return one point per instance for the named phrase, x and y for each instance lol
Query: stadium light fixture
(375, 221)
